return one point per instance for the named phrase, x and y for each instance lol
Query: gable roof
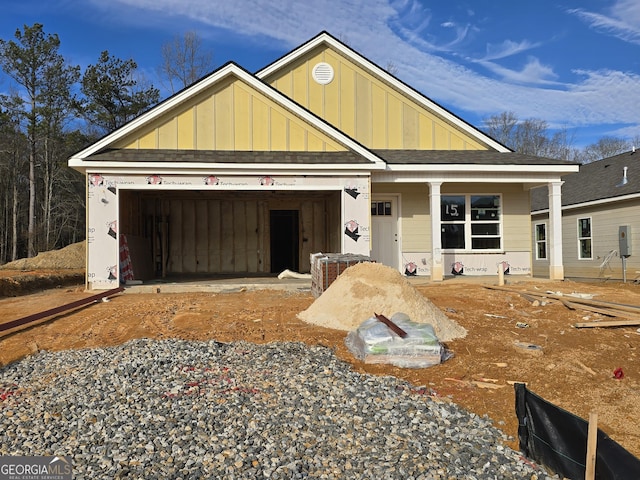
(597, 181)
(110, 151)
(227, 70)
(327, 39)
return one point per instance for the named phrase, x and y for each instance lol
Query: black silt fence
(557, 439)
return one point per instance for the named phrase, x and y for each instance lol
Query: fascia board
(368, 65)
(244, 173)
(467, 168)
(443, 177)
(232, 69)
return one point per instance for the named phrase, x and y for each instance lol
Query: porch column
(436, 242)
(556, 267)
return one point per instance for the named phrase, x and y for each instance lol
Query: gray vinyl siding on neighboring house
(605, 222)
(608, 192)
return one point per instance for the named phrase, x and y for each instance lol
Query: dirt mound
(69, 257)
(367, 288)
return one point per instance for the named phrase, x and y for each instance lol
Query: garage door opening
(229, 233)
(285, 250)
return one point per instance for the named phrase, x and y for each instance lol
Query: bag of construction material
(397, 341)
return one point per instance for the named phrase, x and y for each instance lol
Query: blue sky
(572, 63)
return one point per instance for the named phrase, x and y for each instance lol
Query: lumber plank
(596, 303)
(40, 317)
(528, 295)
(608, 323)
(592, 441)
(576, 300)
(396, 329)
(611, 312)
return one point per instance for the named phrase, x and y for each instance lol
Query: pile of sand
(69, 257)
(367, 288)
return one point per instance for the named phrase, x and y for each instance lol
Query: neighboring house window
(541, 241)
(380, 209)
(470, 222)
(584, 238)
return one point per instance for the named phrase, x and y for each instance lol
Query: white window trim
(590, 237)
(545, 241)
(468, 222)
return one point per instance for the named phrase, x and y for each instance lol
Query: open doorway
(284, 227)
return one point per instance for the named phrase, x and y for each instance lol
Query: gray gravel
(177, 409)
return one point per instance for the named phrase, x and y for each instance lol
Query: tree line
(534, 137)
(51, 110)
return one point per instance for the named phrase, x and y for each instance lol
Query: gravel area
(178, 409)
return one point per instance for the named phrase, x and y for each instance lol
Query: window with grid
(470, 222)
(584, 239)
(381, 209)
(541, 241)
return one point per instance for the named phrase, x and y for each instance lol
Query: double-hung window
(541, 241)
(584, 239)
(470, 222)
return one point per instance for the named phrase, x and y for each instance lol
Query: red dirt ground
(574, 371)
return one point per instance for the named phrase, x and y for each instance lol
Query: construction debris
(610, 323)
(396, 329)
(528, 348)
(585, 368)
(36, 318)
(476, 383)
(578, 301)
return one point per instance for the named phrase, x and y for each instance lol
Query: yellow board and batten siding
(235, 117)
(232, 115)
(366, 108)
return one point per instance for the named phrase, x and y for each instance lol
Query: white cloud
(396, 31)
(533, 72)
(623, 20)
(507, 49)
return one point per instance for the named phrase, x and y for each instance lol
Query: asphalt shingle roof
(217, 156)
(598, 180)
(471, 157)
(392, 157)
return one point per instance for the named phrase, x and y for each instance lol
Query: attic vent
(322, 73)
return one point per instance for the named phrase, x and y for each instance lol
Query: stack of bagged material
(415, 346)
